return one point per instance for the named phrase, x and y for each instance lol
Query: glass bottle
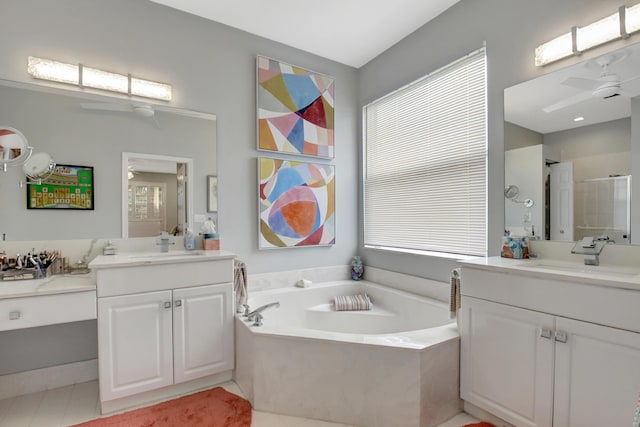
(357, 269)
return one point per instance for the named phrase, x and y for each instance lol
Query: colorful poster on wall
(295, 110)
(68, 187)
(297, 203)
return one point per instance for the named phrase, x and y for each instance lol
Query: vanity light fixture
(631, 19)
(82, 76)
(578, 119)
(598, 33)
(618, 25)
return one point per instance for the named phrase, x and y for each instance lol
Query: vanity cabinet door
(135, 346)
(507, 361)
(597, 375)
(203, 331)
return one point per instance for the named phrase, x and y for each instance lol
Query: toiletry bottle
(357, 269)
(189, 239)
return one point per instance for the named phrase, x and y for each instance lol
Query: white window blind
(425, 183)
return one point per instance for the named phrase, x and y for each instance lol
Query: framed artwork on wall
(212, 193)
(68, 187)
(297, 203)
(295, 109)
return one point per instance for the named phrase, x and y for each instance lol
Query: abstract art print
(297, 203)
(295, 110)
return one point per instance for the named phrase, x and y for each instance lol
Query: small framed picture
(67, 187)
(212, 193)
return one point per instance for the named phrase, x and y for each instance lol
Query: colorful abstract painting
(295, 110)
(297, 203)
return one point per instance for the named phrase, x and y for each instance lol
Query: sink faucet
(591, 248)
(256, 315)
(164, 240)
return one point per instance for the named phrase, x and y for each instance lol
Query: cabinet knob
(15, 315)
(167, 304)
(546, 333)
(178, 303)
(561, 336)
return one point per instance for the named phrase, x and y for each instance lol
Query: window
(425, 174)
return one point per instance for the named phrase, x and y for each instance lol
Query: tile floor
(65, 406)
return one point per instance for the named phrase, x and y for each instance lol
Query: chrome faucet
(164, 240)
(590, 247)
(256, 315)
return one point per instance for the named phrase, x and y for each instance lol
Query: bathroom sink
(163, 255)
(568, 268)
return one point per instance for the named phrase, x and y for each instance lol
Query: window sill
(432, 254)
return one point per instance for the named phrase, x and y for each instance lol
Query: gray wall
(212, 69)
(596, 151)
(511, 29)
(518, 137)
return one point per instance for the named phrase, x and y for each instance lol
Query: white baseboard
(483, 415)
(47, 378)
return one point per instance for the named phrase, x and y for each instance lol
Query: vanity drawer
(42, 310)
(604, 305)
(157, 277)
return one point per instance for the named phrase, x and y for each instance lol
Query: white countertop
(624, 277)
(57, 284)
(132, 259)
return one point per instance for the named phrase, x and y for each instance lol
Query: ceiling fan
(607, 85)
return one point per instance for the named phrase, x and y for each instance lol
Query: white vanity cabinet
(163, 328)
(546, 352)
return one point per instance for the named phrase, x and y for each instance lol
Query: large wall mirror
(568, 149)
(93, 130)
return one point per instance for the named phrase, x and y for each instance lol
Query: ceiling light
(578, 119)
(82, 76)
(599, 32)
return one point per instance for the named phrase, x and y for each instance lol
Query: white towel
(240, 284)
(454, 297)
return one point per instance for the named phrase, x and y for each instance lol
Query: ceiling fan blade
(581, 83)
(567, 102)
(105, 106)
(630, 79)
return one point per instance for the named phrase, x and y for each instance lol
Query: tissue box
(516, 247)
(211, 242)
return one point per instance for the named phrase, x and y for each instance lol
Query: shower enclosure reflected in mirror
(569, 149)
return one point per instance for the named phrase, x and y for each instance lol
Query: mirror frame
(125, 185)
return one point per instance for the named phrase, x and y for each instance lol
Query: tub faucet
(256, 315)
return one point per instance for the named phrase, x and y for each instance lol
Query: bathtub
(395, 365)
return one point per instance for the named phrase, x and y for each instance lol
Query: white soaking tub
(395, 365)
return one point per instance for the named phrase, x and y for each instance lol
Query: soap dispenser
(189, 239)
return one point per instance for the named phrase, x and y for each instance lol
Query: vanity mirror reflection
(93, 130)
(568, 148)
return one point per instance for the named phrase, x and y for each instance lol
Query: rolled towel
(240, 284)
(352, 302)
(454, 297)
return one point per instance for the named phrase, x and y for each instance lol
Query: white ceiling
(524, 103)
(351, 32)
